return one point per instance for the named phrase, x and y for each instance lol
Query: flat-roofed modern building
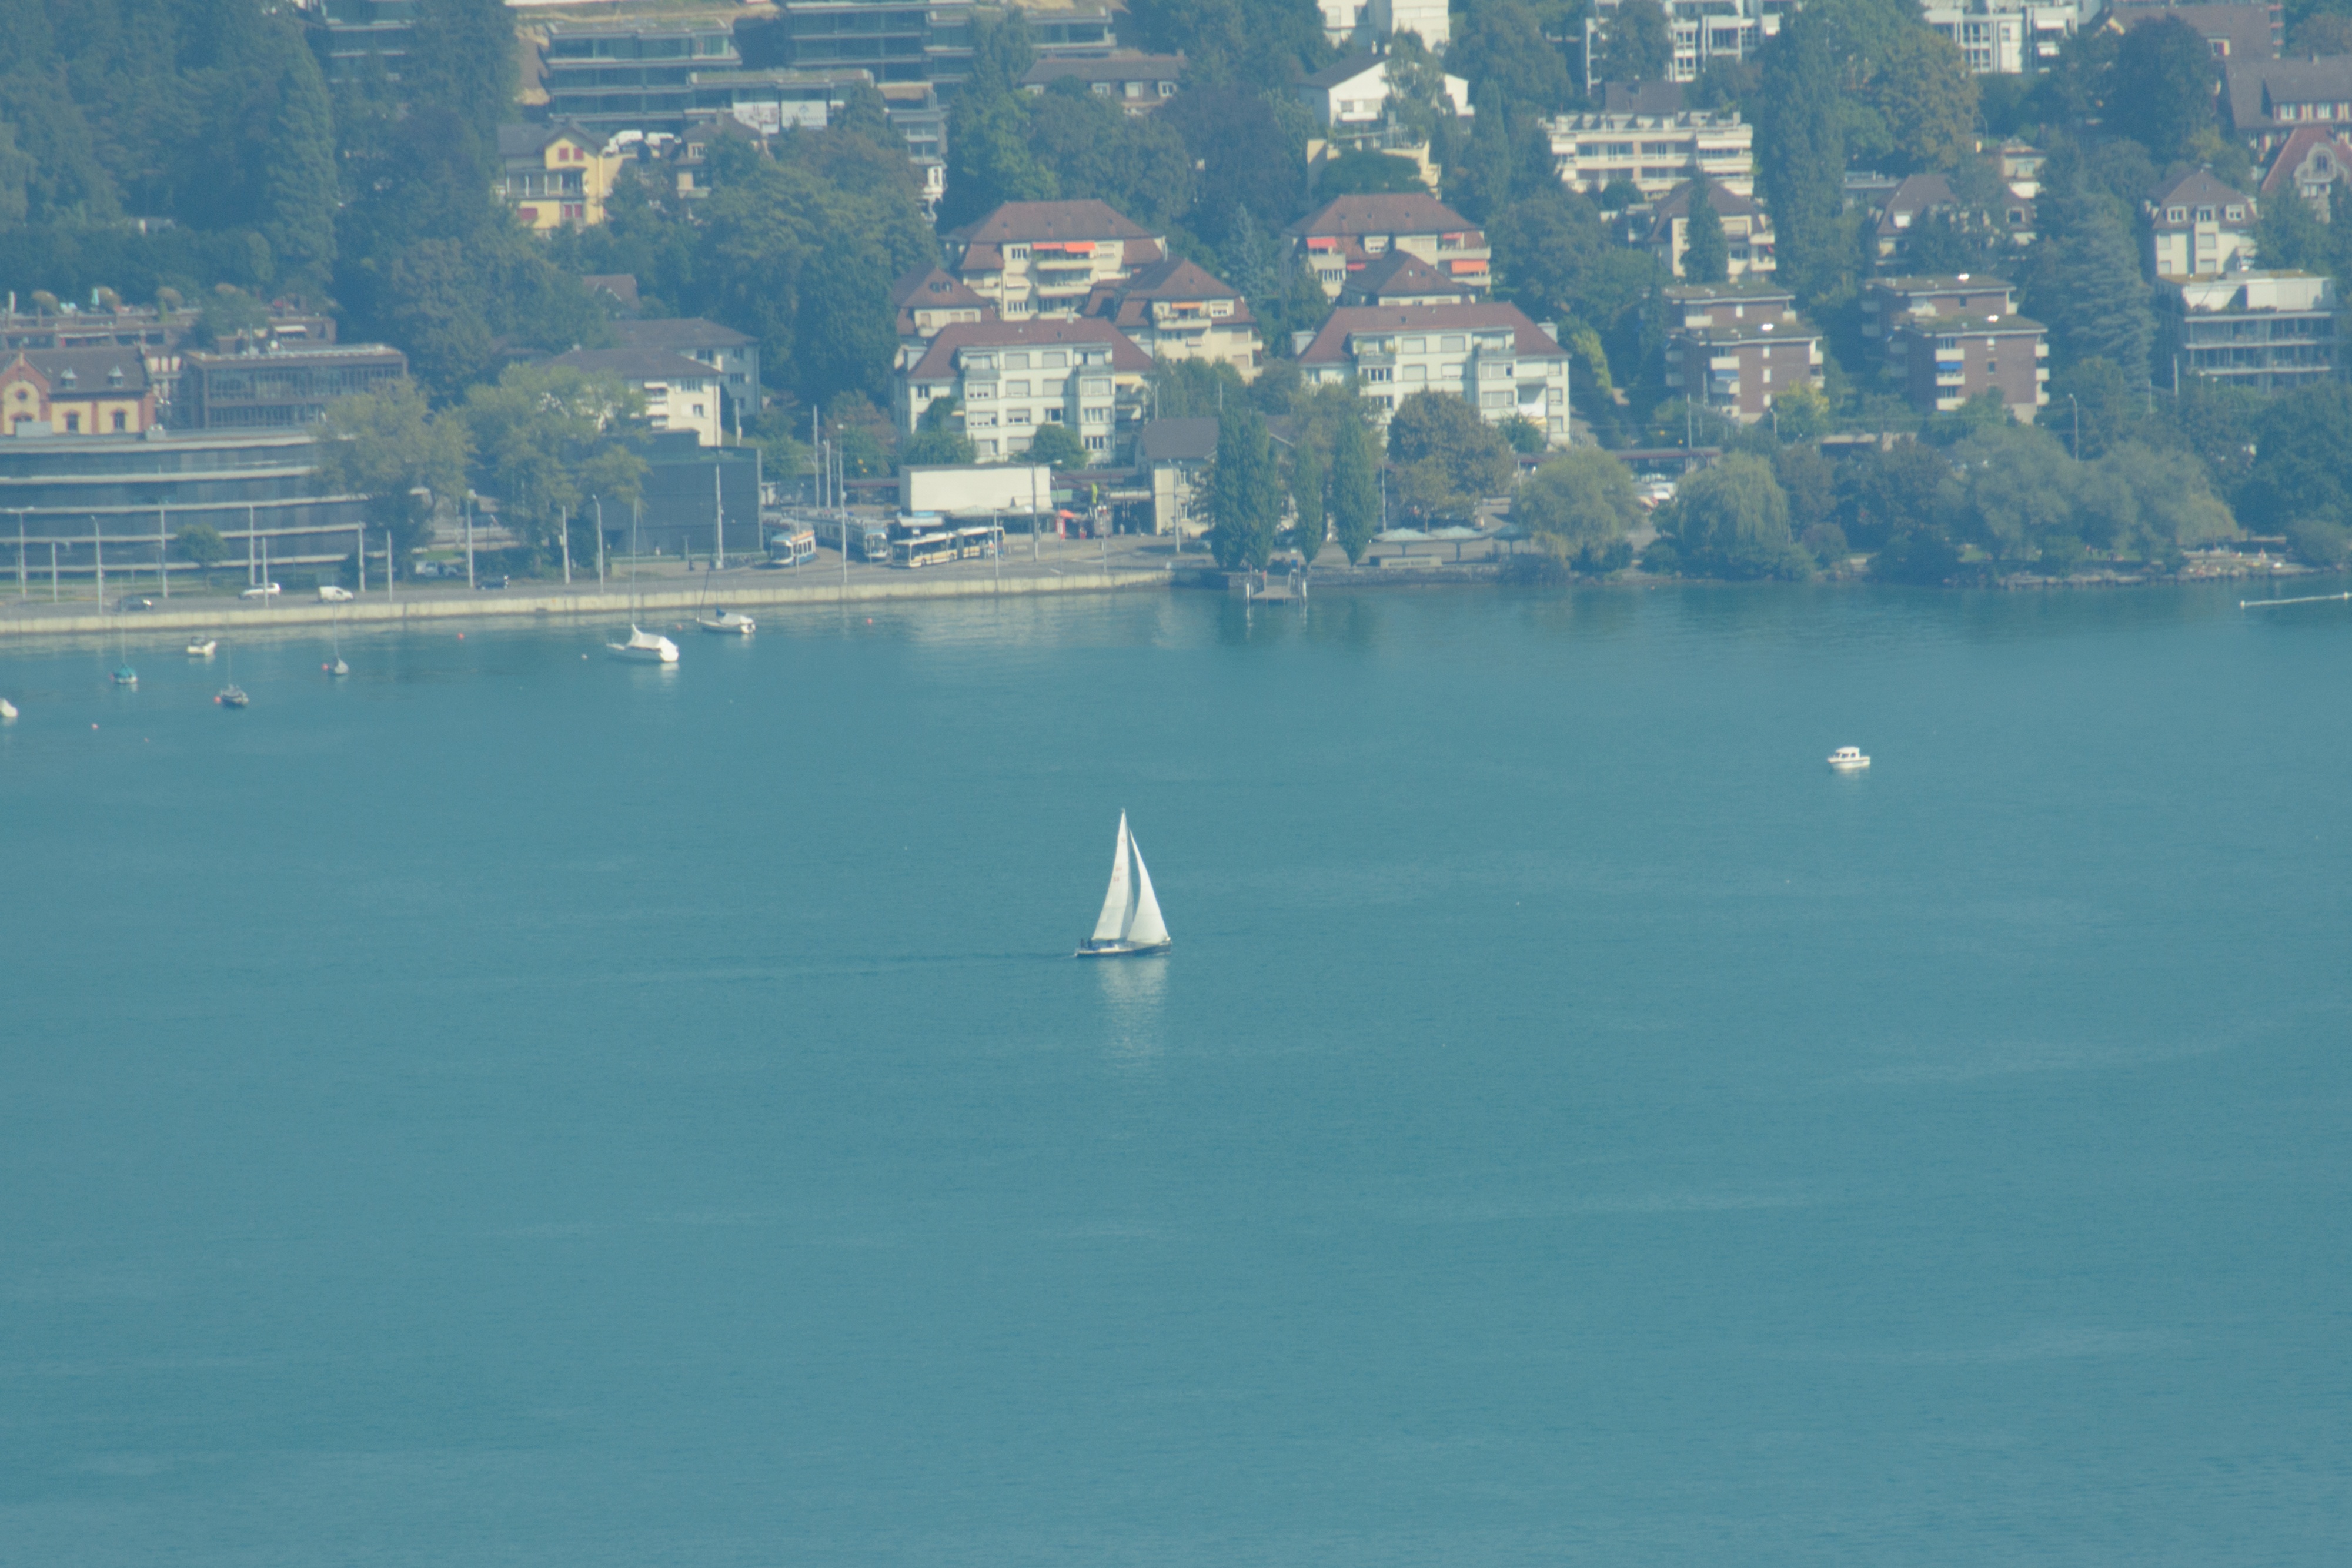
(1738, 368)
(1942, 361)
(1725, 304)
(2270, 331)
(1887, 303)
(278, 389)
(1653, 152)
(890, 42)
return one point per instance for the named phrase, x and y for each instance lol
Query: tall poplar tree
(298, 179)
(1246, 490)
(1706, 254)
(1355, 489)
(1309, 525)
(1801, 149)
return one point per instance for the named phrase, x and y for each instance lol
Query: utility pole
(718, 524)
(470, 539)
(163, 550)
(563, 524)
(249, 527)
(98, 555)
(2078, 426)
(598, 502)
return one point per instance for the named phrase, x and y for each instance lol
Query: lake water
(513, 1108)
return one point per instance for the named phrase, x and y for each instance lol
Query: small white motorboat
(1129, 923)
(8, 709)
(727, 621)
(203, 647)
(645, 648)
(1849, 759)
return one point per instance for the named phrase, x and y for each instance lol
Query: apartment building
(1174, 310)
(734, 356)
(927, 300)
(1738, 367)
(1489, 355)
(278, 388)
(1138, 83)
(1943, 362)
(1338, 238)
(2197, 226)
(1013, 377)
(2263, 102)
(2268, 331)
(1359, 22)
(2005, 37)
(890, 43)
(555, 176)
(604, 77)
(1890, 303)
(1696, 305)
(1653, 152)
(680, 394)
(1747, 230)
(1045, 258)
(1698, 32)
(2234, 29)
(357, 38)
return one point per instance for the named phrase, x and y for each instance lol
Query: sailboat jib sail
(1130, 921)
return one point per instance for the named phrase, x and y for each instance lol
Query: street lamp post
(469, 538)
(2078, 426)
(598, 502)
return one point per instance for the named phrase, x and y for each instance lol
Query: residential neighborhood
(849, 238)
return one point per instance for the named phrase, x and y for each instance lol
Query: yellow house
(75, 392)
(555, 176)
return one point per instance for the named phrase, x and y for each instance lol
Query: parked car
(489, 584)
(128, 601)
(334, 593)
(262, 590)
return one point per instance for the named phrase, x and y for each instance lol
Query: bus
(868, 540)
(792, 546)
(979, 543)
(923, 549)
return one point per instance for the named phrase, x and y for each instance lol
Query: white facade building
(1491, 356)
(1360, 21)
(1354, 94)
(1655, 151)
(2004, 37)
(1699, 30)
(1014, 377)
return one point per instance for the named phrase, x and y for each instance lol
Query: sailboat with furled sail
(1129, 923)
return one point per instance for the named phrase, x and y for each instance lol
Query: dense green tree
(1244, 157)
(1707, 256)
(388, 447)
(2288, 233)
(1138, 163)
(1450, 457)
(1255, 44)
(16, 174)
(1801, 145)
(2161, 95)
(300, 183)
(2018, 489)
(1054, 443)
(535, 435)
(1244, 490)
(1639, 47)
(1732, 521)
(2095, 303)
(989, 159)
(1884, 492)
(1581, 497)
(1513, 69)
(936, 449)
(2302, 467)
(1309, 524)
(1927, 94)
(1810, 482)
(846, 337)
(201, 544)
(1355, 489)
(1366, 172)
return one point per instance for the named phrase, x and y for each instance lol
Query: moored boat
(232, 696)
(203, 647)
(727, 621)
(1849, 759)
(645, 647)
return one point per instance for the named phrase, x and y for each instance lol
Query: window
(1017, 361)
(1096, 416)
(120, 419)
(1097, 443)
(697, 410)
(1378, 373)
(1016, 389)
(1168, 90)
(2176, 214)
(73, 425)
(2236, 214)
(1094, 388)
(1016, 416)
(1016, 252)
(1451, 343)
(1054, 359)
(1412, 345)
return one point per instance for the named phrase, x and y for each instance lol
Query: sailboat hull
(1122, 949)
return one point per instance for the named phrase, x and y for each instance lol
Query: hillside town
(1997, 290)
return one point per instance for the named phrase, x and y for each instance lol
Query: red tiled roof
(1032, 221)
(933, 288)
(2298, 147)
(1128, 301)
(1392, 214)
(937, 363)
(1331, 345)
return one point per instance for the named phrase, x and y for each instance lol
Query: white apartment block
(1353, 21)
(1655, 151)
(2004, 37)
(1015, 377)
(1699, 31)
(681, 394)
(1489, 355)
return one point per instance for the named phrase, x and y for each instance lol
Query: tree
(1255, 44)
(846, 336)
(299, 186)
(937, 448)
(1309, 524)
(201, 543)
(1245, 160)
(2288, 233)
(1450, 455)
(1054, 444)
(1885, 493)
(387, 445)
(2302, 467)
(2098, 304)
(1365, 173)
(2161, 95)
(535, 434)
(1639, 47)
(1355, 489)
(1928, 96)
(1092, 148)
(2018, 490)
(1801, 147)
(1582, 497)
(1244, 491)
(1732, 521)
(1706, 254)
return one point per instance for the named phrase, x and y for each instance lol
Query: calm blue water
(511, 1108)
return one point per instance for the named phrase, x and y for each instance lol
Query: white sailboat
(647, 647)
(1129, 922)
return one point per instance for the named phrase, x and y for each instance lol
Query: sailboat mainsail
(1129, 922)
(1117, 904)
(1144, 927)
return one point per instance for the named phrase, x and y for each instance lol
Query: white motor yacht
(728, 620)
(203, 647)
(1849, 759)
(645, 648)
